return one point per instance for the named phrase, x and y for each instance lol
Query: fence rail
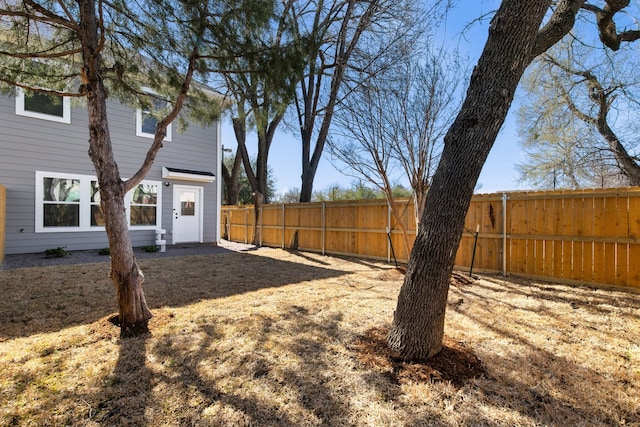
(590, 236)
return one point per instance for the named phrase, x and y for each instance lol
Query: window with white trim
(43, 106)
(146, 121)
(144, 205)
(69, 202)
(97, 216)
(60, 202)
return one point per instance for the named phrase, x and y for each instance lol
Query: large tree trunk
(231, 180)
(418, 324)
(310, 163)
(346, 43)
(257, 180)
(626, 163)
(134, 314)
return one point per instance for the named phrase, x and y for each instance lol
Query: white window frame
(158, 205)
(139, 114)
(66, 109)
(85, 204)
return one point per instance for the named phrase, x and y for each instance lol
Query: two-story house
(52, 197)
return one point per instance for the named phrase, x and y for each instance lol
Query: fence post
(283, 228)
(246, 224)
(261, 224)
(504, 234)
(388, 232)
(324, 225)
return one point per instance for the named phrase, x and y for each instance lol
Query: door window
(187, 203)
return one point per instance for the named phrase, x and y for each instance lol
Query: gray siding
(28, 145)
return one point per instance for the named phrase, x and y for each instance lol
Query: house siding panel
(28, 145)
(3, 202)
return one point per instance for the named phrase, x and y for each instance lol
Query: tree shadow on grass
(54, 298)
(558, 397)
(127, 389)
(261, 370)
(536, 380)
(595, 299)
(123, 398)
(563, 392)
(306, 256)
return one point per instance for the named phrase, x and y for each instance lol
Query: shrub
(58, 252)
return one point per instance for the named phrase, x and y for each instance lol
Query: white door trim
(177, 188)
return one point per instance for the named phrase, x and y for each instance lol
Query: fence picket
(587, 236)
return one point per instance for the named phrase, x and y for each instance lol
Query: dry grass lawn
(273, 338)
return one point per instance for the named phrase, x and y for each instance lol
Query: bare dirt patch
(271, 337)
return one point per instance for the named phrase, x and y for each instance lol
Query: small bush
(104, 251)
(150, 248)
(58, 252)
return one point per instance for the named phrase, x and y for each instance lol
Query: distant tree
(261, 81)
(571, 128)
(350, 37)
(516, 37)
(290, 196)
(357, 191)
(400, 191)
(92, 50)
(360, 191)
(330, 193)
(396, 122)
(244, 195)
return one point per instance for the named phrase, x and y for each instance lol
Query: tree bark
(419, 202)
(603, 99)
(258, 180)
(418, 324)
(127, 278)
(626, 163)
(231, 180)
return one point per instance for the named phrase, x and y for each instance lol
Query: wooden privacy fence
(574, 236)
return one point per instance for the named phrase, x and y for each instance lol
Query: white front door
(187, 214)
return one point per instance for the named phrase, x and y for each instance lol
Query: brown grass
(272, 338)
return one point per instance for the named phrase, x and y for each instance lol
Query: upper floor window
(146, 121)
(43, 106)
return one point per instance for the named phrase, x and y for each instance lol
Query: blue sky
(498, 173)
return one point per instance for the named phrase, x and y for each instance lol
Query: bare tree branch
(558, 26)
(607, 29)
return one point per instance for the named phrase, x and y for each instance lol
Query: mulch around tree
(454, 363)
